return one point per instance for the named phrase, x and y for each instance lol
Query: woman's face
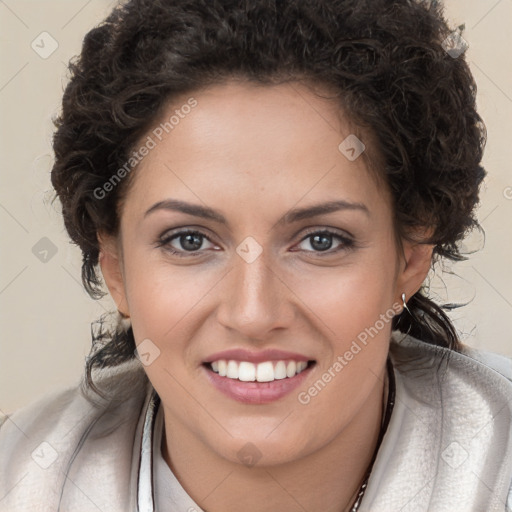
(269, 275)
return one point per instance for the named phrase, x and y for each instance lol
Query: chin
(262, 449)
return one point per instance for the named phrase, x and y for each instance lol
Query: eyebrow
(294, 215)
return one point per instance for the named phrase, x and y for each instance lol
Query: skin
(252, 153)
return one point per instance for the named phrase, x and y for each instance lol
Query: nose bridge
(253, 302)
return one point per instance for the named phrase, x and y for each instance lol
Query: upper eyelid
(174, 232)
(332, 231)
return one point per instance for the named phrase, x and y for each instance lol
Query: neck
(328, 479)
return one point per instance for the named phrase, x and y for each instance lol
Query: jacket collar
(145, 496)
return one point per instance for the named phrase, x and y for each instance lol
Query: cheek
(346, 300)
(161, 295)
(165, 304)
(354, 314)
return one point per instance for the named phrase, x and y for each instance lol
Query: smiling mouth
(267, 371)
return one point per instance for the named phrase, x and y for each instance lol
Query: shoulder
(497, 362)
(409, 353)
(472, 392)
(78, 403)
(37, 419)
(41, 441)
(503, 366)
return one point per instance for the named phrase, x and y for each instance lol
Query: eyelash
(346, 243)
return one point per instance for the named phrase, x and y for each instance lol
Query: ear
(414, 266)
(111, 263)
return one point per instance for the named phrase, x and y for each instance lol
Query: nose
(255, 300)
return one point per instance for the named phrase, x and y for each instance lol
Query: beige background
(45, 314)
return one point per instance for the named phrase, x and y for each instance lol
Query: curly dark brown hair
(384, 58)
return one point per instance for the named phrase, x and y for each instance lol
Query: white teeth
(265, 372)
(291, 369)
(301, 365)
(222, 367)
(232, 371)
(280, 370)
(246, 371)
(262, 372)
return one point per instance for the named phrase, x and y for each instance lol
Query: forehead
(277, 144)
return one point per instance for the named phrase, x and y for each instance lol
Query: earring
(405, 304)
(124, 321)
(405, 308)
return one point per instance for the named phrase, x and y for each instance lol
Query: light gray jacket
(448, 447)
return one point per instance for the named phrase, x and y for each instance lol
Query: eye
(323, 241)
(186, 241)
(190, 243)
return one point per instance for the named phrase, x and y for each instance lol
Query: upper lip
(241, 354)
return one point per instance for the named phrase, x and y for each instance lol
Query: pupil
(322, 246)
(193, 239)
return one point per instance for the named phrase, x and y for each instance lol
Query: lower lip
(256, 392)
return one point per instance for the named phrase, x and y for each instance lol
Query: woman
(265, 186)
